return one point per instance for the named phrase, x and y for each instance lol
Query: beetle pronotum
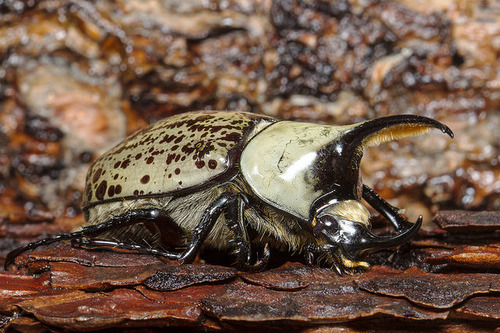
(237, 180)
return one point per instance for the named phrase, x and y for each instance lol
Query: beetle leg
(233, 206)
(313, 251)
(126, 219)
(386, 209)
(263, 261)
(200, 233)
(235, 221)
(205, 225)
(137, 248)
(309, 255)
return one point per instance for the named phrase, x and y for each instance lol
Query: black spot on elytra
(150, 160)
(234, 137)
(101, 190)
(212, 164)
(170, 158)
(187, 149)
(199, 164)
(118, 189)
(138, 156)
(168, 138)
(117, 165)
(111, 191)
(179, 139)
(145, 179)
(125, 163)
(115, 177)
(97, 175)
(177, 171)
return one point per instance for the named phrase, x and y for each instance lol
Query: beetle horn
(391, 241)
(380, 130)
(377, 131)
(366, 240)
(349, 147)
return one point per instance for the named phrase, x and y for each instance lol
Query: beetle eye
(329, 222)
(326, 223)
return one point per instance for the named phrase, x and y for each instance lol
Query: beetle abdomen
(283, 231)
(171, 156)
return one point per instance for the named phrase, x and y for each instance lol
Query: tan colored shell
(173, 155)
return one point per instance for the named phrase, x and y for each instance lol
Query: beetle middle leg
(231, 203)
(235, 220)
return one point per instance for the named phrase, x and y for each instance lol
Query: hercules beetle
(234, 180)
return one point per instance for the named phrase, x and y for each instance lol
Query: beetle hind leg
(136, 248)
(123, 220)
(143, 215)
(229, 202)
(200, 232)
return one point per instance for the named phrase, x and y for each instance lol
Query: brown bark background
(78, 76)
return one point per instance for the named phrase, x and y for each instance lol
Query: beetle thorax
(281, 164)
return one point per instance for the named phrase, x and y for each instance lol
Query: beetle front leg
(315, 251)
(387, 210)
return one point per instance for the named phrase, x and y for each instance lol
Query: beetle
(236, 180)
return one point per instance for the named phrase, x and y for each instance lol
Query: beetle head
(344, 225)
